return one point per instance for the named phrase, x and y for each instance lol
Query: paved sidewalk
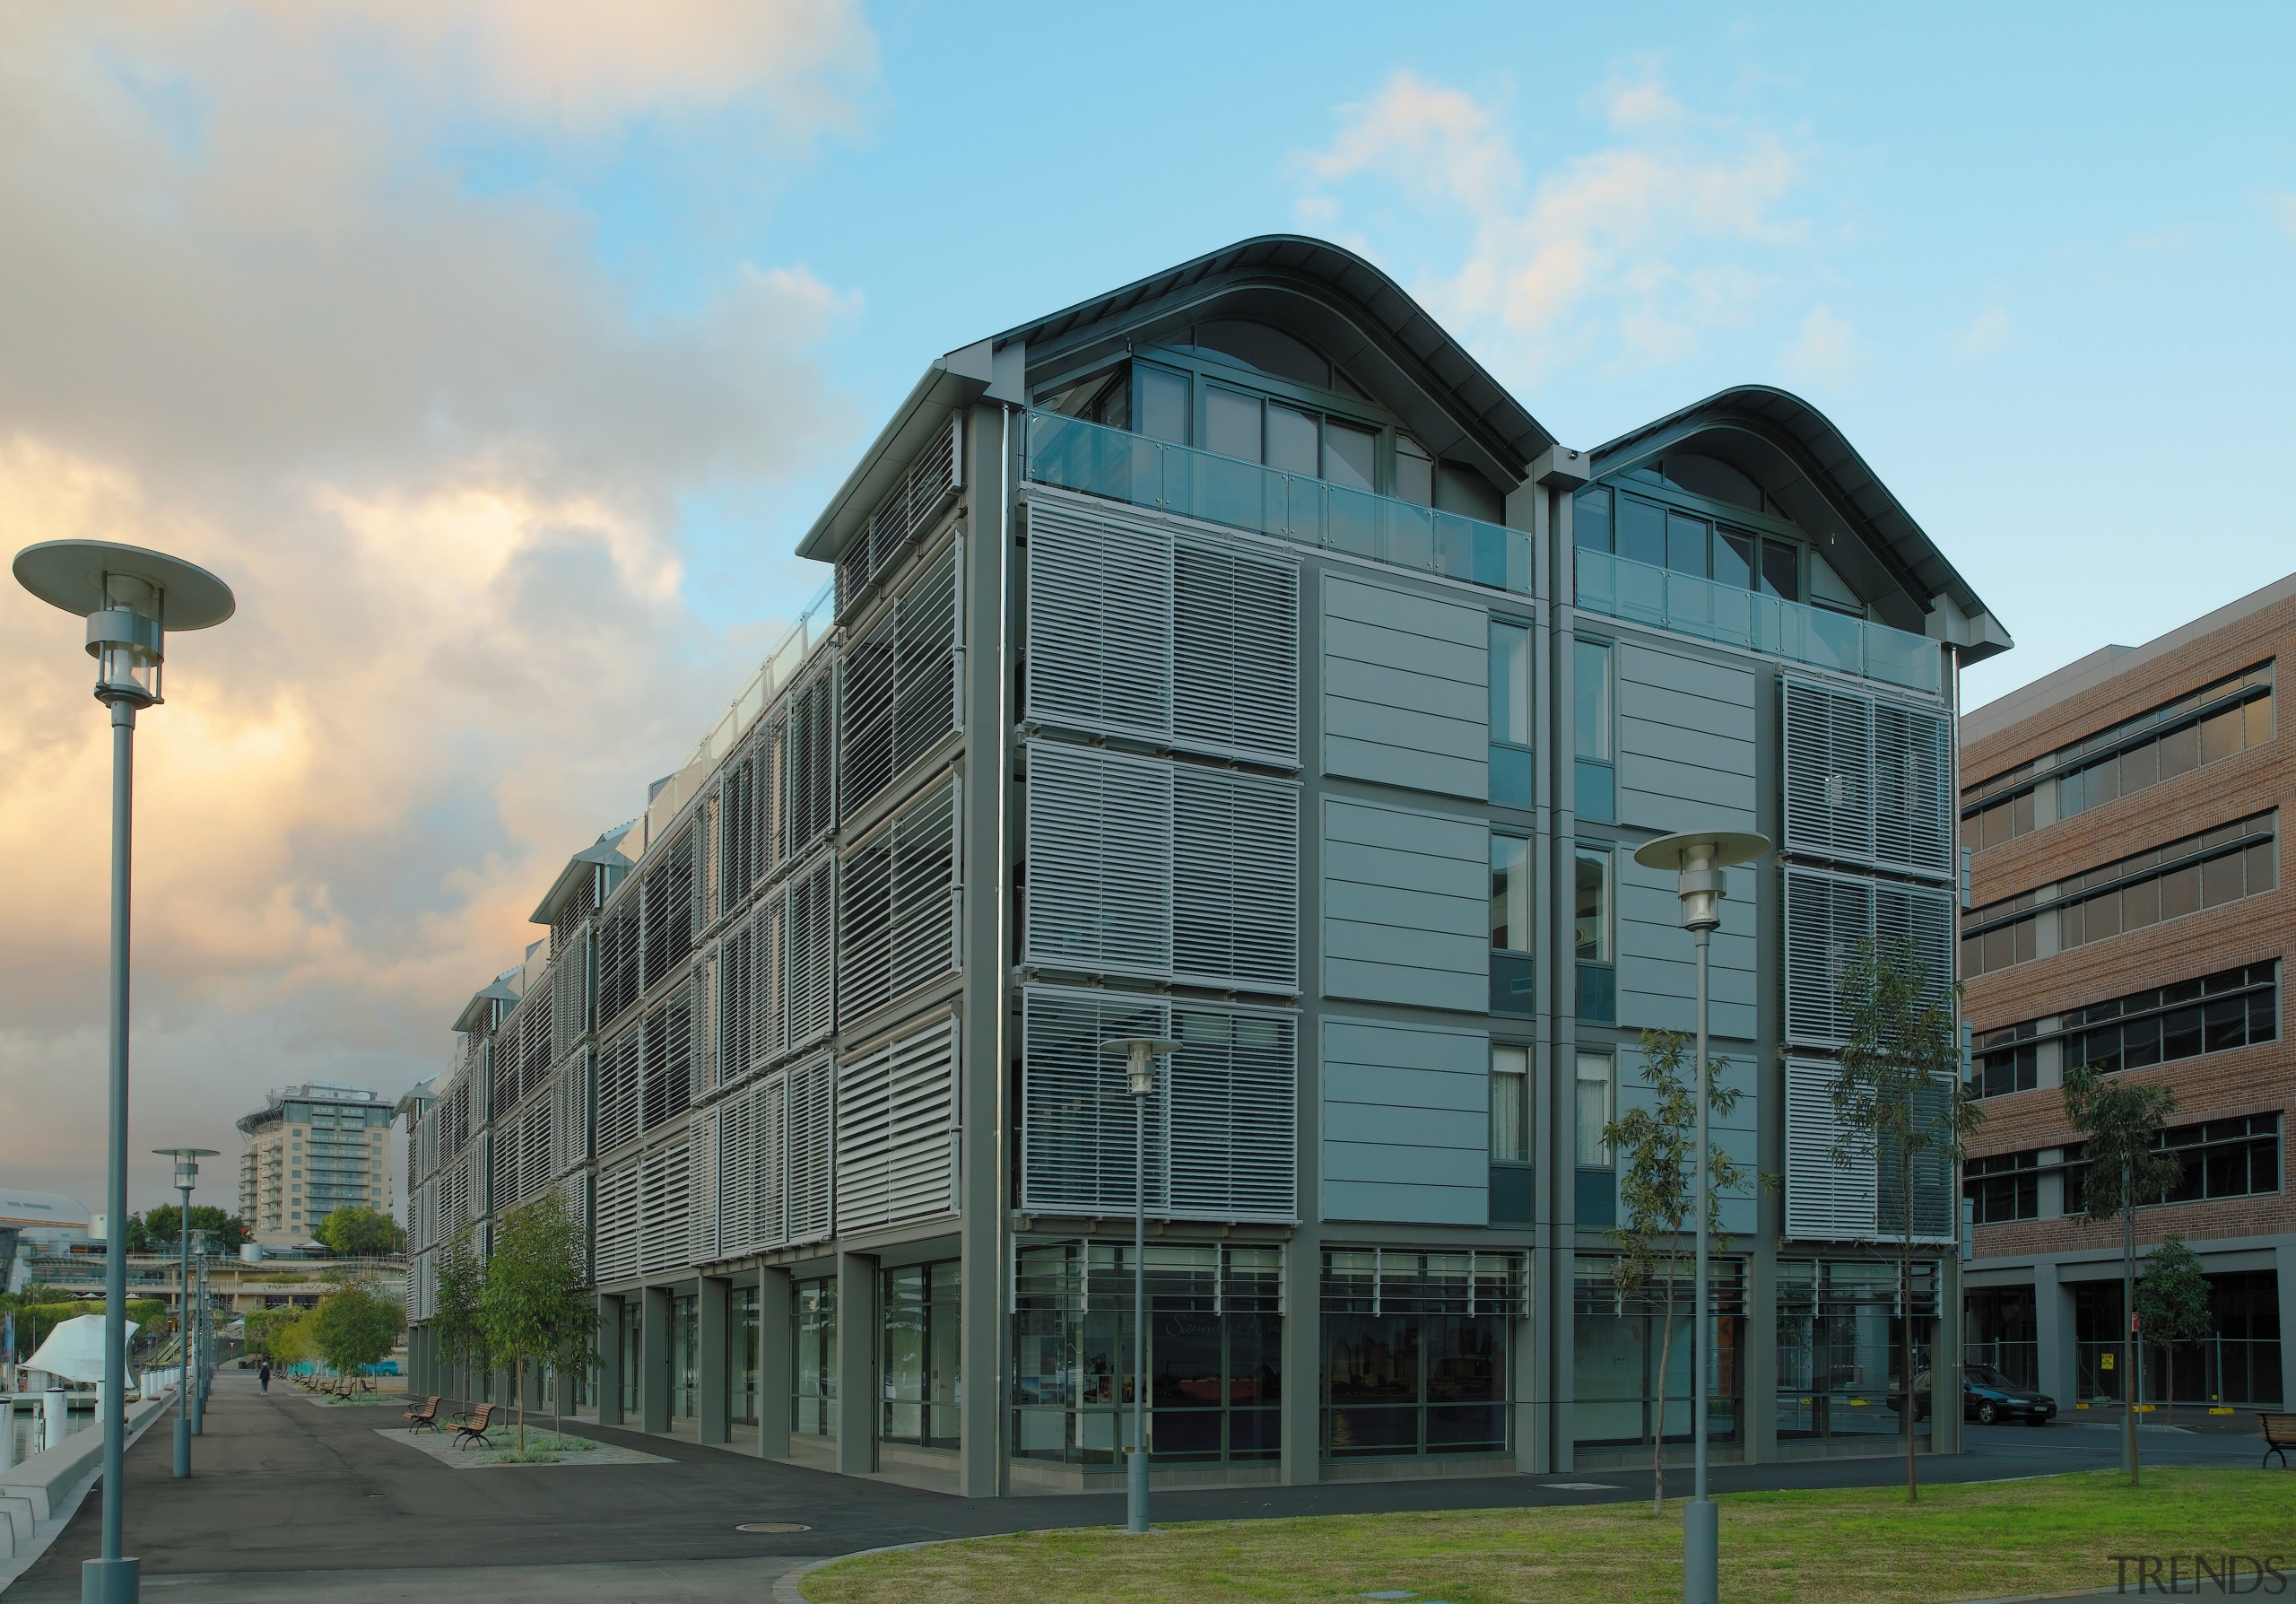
(289, 1500)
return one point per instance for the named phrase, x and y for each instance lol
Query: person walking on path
(263, 1377)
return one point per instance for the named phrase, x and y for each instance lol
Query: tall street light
(187, 1177)
(1698, 859)
(130, 597)
(1136, 1051)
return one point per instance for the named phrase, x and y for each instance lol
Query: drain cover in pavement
(773, 1526)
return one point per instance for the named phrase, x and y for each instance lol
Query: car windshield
(1984, 1375)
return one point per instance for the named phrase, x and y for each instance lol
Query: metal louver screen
(618, 1062)
(1222, 1124)
(735, 1169)
(897, 915)
(1099, 622)
(701, 1190)
(1859, 1201)
(1235, 879)
(1867, 781)
(1161, 870)
(1188, 640)
(768, 809)
(896, 1130)
(906, 512)
(809, 1106)
(771, 960)
(669, 1061)
(898, 687)
(669, 900)
(736, 1007)
(570, 986)
(811, 789)
(810, 928)
(665, 1196)
(616, 1252)
(618, 955)
(1235, 653)
(737, 830)
(1827, 917)
(1099, 867)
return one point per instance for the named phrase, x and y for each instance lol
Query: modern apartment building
(310, 1150)
(1230, 659)
(2129, 914)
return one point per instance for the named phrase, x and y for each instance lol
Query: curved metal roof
(1380, 306)
(1833, 468)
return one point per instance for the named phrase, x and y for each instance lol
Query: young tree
(352, 1328)
(2122, 1170)
(1898, 1097)
(361, 1233)
(1660, 1146)
(2172, 1304)
(461, 1295)
(161, 1229)
(534, 1307)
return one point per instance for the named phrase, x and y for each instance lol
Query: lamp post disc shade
(70, 574)
(1727, 847)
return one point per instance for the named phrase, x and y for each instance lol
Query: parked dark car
(1986, 1396)
(1989, 1396)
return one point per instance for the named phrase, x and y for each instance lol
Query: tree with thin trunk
(2122, 1168)
(461, 1295)
(2172, 1304)
(1899, 1100)
(352, 1328)
(1659, 1144)
(535, 1307)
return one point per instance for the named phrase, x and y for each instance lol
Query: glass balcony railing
(1689, 605)
(1099, 461)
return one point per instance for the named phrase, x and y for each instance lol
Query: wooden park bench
(474, 1428)
(2279, 1436)
(424, 1419)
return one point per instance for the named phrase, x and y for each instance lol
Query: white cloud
(1989, 332)
(256, 320)
(1630, 250)
(1825, 347)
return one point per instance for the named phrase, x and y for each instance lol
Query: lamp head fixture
(186, 1163)
(1136, 1052)
(1697, 857)
(131, 598)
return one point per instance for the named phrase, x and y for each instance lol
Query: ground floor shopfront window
(2238, 1363)
(1841, 1344)
(632, 1360)
(1632, 1355)
(2001, 1328)
(1417, 1351)
(741, 1350)
(685, 1354)
(923, 1385)
(813, 1351)
(1215, 1355)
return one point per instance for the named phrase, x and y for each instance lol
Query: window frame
(1525, 693)
(1608, 1080)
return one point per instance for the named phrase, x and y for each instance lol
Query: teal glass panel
(1510, 776)
(1514, 985)
(1596, 1197)
(1511, 1194)
(1592, 792)
(1597, 994)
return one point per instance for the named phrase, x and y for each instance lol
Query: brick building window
(2238, 1157)
(2004, 1187)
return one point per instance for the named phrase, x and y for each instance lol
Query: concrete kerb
(55, 1495)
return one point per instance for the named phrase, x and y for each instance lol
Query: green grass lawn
(1969, 1541)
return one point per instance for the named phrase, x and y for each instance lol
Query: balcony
(1689, 605)
(1074, 455)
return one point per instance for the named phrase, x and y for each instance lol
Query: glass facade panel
(1591, 923)
(1351, 455)
(1510, 714)
(1231, 424)
(1841, 1344)
(919, 1367)
(1510, 1104)
(686, 1343)
(1511, 894)
(633, 1333)
(1162, 412)
(1594, 1103)
(1632, 1355)
(741, 1356)
(813, 1316)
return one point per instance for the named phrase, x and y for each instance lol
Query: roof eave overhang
(1838, 472)
(951, 384)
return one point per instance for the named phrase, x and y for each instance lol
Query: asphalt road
(293, 1500)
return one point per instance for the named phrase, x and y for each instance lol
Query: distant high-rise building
(314, 1149)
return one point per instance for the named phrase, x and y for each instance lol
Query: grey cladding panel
(1406, 689)
(1406, 1127)
(1658, 963)
(1736, 1133)
(1686, 741)
(1404, 914)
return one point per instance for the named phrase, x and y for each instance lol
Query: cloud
(1825, 347)
(1631, 249)
(1990, 330)
(259, 318)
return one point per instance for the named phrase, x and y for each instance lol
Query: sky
(497, 353)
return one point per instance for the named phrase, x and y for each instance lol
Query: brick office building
(2128, 911)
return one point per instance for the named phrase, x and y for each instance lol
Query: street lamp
(1698, 859)
(130, 597)
(1136, 1051)
(187, 1177)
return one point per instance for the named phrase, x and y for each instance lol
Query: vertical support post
(1700, 1524)
(654, 1360)
(113, 1579)
(1136, 1466)
(777, 1366)
(184, 1370)
(856, 1365)
(713, 1368)
(610, 1361)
